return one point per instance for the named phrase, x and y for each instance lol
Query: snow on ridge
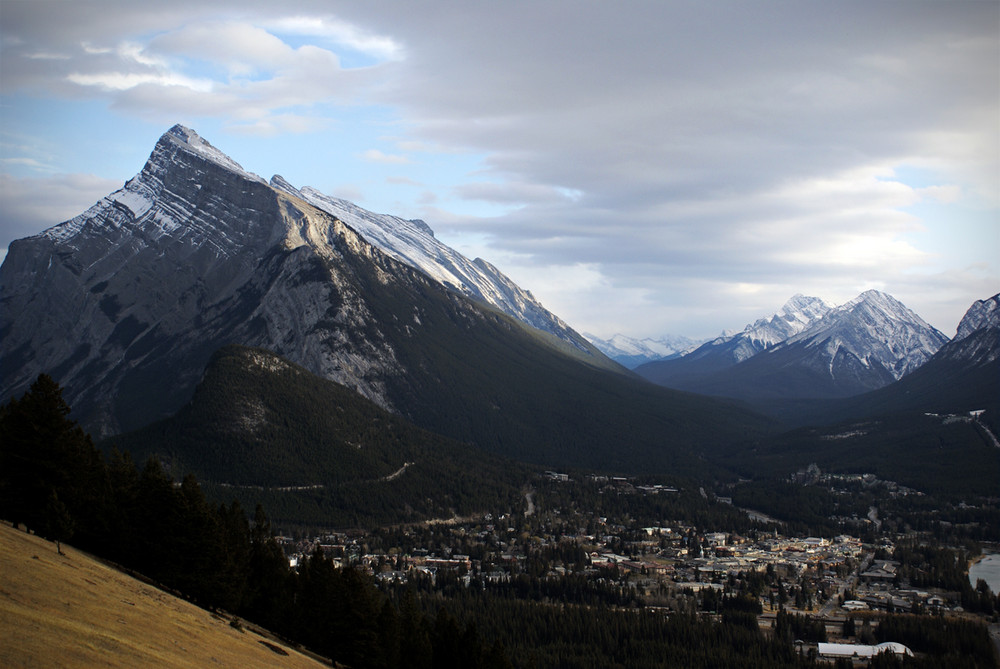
(874, 328)
(982, 314)
(191, 140)
(413, 243)
(622, 346)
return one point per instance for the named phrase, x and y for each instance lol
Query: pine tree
(58, 524)
(42, 449)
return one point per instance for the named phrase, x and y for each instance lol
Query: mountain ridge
(126, 304)
(808, 349)
(631, 352)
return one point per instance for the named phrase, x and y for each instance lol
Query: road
(849, 585)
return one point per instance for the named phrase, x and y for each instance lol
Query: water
(987, 569)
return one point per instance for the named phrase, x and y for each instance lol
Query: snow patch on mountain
(982, 314)
(796, 315)
(876, 329)
(412, 242)
(194, 142)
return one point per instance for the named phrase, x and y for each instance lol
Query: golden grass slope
(73, 611)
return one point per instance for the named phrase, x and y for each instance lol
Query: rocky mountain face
(723, 352)
(194, 252)
(126, 304)
(631, 352)
(977, 340)
(809, 350)
(413, 242)
(875, 330)
(964, 375)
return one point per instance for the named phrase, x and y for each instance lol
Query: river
(988, 569)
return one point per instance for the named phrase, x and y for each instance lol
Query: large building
(854, 651)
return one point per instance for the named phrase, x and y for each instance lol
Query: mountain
(193, 240)
(126, 304)
(630, 352)
(261, 429)
(935, 429)
(413, 242)
(963, 376)
(862, 345)
(796, 315)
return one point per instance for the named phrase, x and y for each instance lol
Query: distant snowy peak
(982, 314)
(876, 329)
(796, 315)
(632, 352)
(412, 242)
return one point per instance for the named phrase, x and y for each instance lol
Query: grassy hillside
(71, 610)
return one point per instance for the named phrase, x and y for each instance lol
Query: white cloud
(340, 32)
(376, 156)
(123, 81)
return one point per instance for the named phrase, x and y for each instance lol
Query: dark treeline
(930, 566)
(55, 482)
(315, 453)
(947, 642)
(539, 634)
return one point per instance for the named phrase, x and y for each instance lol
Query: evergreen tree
(58, 524)
(42, 449)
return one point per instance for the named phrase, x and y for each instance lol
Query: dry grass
(73, 611)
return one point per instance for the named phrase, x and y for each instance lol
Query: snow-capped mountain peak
(192, 141)
(631, 352)
(194, 252)
(877, 330)
(982, 314)
(797, 314)
(808, 349)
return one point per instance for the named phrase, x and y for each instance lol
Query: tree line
(54, 481)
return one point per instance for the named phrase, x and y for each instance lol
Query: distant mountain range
(630, 352)
(807, 350)
(936, 428)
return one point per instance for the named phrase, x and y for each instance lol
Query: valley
(442, 473)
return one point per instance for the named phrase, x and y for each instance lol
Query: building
(859, 652)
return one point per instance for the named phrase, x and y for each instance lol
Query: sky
(644, 168)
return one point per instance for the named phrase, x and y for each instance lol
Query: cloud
(199, 61)
(30, 205)
(673, 156)
(753, 148)
(510, 193)
(340, 32)
(376, 156)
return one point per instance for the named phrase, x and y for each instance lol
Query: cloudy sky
(642, 167)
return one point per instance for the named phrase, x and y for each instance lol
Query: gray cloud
(30, 205)
(661, 155)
